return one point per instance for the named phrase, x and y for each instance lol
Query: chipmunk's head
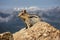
(22, 13)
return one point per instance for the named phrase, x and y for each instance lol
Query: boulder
(39, 31)
(6, 36)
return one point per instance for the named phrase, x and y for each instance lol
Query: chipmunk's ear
(24, 11)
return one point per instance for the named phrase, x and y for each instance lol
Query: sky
(6, 4)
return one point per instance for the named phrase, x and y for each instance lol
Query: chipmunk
(30, 20)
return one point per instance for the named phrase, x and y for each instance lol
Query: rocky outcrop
(6, 36)
(39, 31)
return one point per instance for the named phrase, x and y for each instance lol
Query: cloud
(6, 19)
(31, 8)
(50, 14)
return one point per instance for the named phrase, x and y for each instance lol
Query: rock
(39, 31)
(6, 36)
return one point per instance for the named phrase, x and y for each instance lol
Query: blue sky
(27, 3)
